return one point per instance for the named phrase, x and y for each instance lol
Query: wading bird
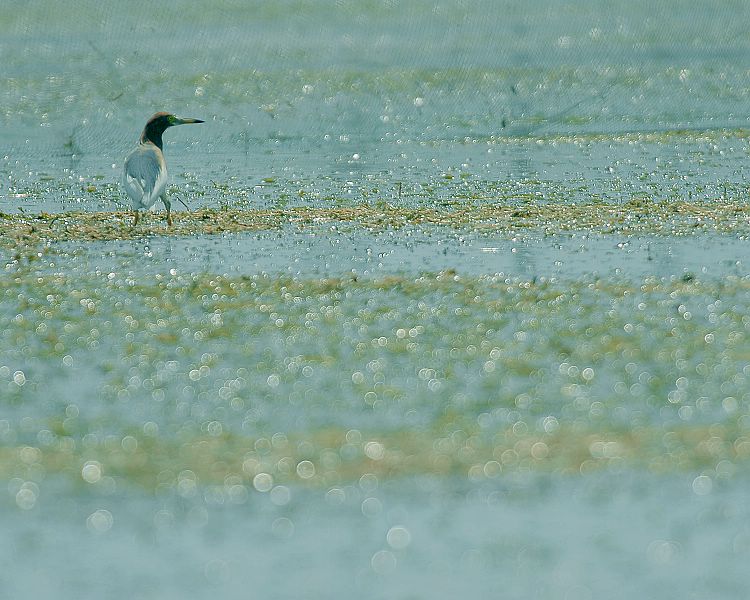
(145, 174)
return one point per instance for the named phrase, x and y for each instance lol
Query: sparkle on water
(458, 305)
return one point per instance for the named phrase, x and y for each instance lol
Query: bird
(145, 171)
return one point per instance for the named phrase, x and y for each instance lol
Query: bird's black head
(157, 124)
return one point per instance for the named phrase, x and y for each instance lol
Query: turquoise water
(342, 101)
(332, 411)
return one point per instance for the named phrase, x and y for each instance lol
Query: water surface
(414, 412)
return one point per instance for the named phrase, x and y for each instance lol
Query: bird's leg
(137, 214)
(168, 206)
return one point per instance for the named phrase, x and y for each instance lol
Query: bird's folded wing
(143, 177)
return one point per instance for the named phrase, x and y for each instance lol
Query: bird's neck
(152, 133)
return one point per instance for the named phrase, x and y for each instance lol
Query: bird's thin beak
(188, 121)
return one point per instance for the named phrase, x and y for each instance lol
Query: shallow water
(346, 250)
(426, 536)
(337, 102)
(403, 412)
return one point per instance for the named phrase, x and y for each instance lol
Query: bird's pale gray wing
(134, 188)
(143, 174)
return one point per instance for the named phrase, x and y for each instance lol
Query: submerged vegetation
(636, 216)
(322, 381)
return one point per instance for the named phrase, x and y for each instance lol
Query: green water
(335, 409)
